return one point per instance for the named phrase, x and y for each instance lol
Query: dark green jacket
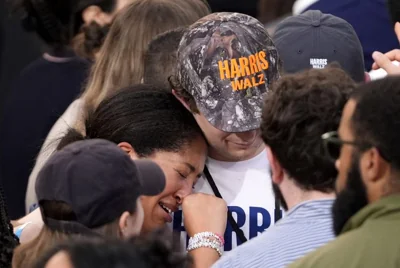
(370, 239)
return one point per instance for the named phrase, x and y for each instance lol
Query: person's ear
(96, 14)
(373, 166)
(131, 224)
(375, 173)
(124, 224)
(181, 100)
(277, 171)
(127, 148)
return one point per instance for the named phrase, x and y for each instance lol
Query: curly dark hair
(8, 241)
(91, 38)
(157, 250)
(297, 111)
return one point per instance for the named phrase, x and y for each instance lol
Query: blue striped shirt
(303, 229)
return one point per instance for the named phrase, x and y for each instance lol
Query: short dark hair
(158, 249)
(376, 117)
(160, 59)
(394, 10)
(297, 111)
(183, 93)
(148, 118)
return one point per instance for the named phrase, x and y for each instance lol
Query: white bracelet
(209, 235)
(203, 242)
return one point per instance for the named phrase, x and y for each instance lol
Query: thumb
(397, 30)
(383, 62)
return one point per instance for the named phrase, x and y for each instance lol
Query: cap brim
(235, 115)
(151, 177)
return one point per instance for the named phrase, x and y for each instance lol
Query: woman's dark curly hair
(157, 250)
(8, 241)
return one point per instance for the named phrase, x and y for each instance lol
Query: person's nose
(184, 191)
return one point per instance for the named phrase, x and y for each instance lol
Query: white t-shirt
(246, 187)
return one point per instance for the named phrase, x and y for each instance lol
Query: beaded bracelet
(219, 238)
(206, 239)
(204, 243)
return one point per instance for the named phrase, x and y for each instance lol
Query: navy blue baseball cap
(314, 40)
(98, 180)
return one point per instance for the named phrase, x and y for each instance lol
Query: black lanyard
(235, 226)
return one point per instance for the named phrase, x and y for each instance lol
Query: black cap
(314, 40)
(98, 180)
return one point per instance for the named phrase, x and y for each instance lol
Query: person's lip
(168, 210)
(173, 208)
(167, 217)
(243, 144)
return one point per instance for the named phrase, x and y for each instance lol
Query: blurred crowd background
(374, 34)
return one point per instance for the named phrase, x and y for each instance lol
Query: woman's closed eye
(182, 174)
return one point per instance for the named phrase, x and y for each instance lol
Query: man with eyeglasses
(296, 112)
(366, 213)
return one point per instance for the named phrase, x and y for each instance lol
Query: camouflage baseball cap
(227, 62)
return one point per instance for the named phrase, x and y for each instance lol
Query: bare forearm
(204, 257)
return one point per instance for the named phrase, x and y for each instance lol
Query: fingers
(393, 55)
(381, 60)
(385, 62)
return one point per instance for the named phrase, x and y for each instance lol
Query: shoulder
(255, 253)
(327, 256)
(59, 129)
(77, 65)
(70, 117)
(30, 227)
(35, 65)
(67, 120)
(74, 109)
(32, 72)
(43, 65)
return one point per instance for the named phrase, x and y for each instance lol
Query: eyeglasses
(333, 144)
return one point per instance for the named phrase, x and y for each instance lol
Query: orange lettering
(253, 81)
(258, 62)
(265, 63)
(235, 72)
(244, 66)
(237, 84)
(247, 83)
(224, 69)
(253, 66)
(261, 77)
